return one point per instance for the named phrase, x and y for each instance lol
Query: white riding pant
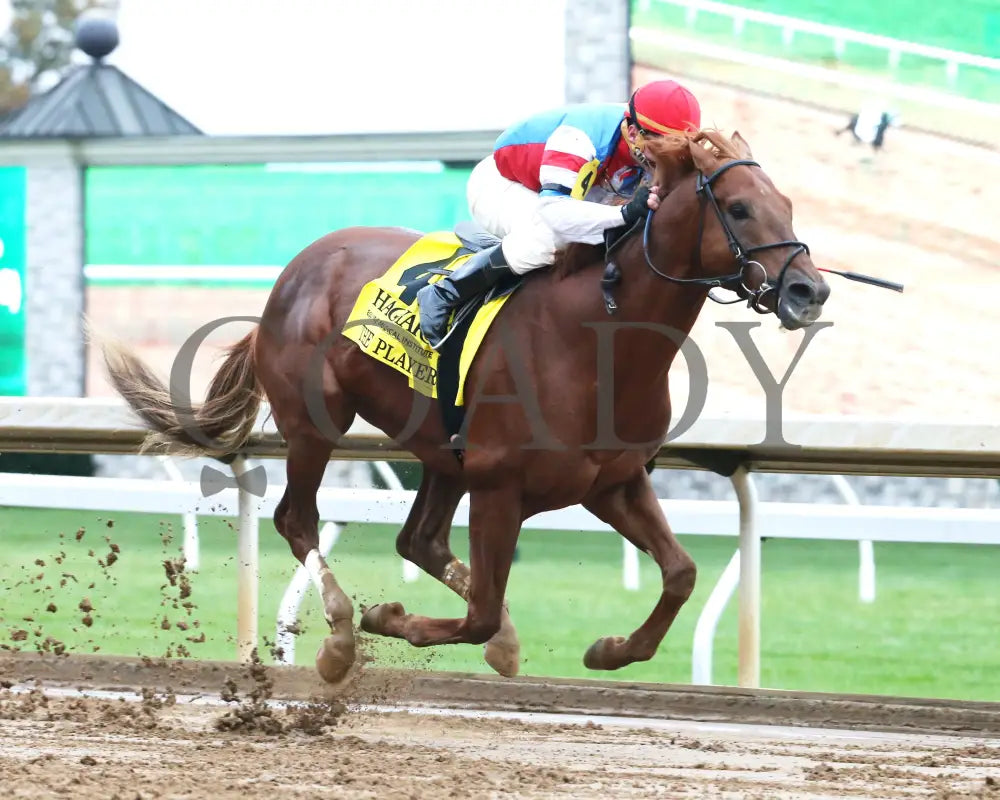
(512, 212)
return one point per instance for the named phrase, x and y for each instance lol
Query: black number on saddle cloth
(418, 276)
(414, 279)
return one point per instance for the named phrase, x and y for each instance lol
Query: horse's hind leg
(424, 540)
(632, 509)
(297, 519)
(494, 524)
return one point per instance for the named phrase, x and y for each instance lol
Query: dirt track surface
(96, 749)
(488, 692)
(915, 214)
(407, 735)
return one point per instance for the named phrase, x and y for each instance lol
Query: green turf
(965, 26)
(972, 27)
(931, 632)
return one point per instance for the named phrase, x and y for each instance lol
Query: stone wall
(597, 51)
(54, 280)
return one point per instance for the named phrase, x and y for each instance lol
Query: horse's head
(743, 222)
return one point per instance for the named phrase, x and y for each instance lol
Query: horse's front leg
(494, 525)
(631, 508)
(297, 520)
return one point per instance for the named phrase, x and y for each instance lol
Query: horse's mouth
(794, 316)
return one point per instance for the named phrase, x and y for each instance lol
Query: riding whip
(854, 276)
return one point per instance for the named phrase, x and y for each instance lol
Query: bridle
(754, 297)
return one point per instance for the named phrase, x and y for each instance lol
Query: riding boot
(437, 300)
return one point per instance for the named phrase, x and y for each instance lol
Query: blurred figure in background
(869, 125)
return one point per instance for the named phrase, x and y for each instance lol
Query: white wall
(332, 66)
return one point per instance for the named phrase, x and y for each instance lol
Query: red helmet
(664, 107)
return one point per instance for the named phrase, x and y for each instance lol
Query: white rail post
(866, 551)
(951, 70)
(247, 568)
(749, 614)
(708, 621)
(291, 600)
(192, 558)
(630, 566)
(410, 570)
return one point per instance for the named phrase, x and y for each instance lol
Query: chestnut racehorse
(721, 222)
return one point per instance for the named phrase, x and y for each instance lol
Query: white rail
(410, 570)
(732, 578)
(830, 521)
(810, 445)
(291, 600)
(807, 444)
(704, 630)
(840, 37)
(748, 673)
(866, 553)
(341, 506)
(781, 66)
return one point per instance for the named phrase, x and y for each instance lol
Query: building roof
(95, 100)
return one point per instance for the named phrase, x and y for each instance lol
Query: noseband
(754, 297)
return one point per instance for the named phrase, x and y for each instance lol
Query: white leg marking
(315, 566)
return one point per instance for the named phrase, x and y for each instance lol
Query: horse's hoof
(503, 650)
(606, 653)
(504, 656)
(335, 656)
(379, 619)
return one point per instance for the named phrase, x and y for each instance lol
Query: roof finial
(96, 35)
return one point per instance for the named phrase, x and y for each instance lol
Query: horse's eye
(739, 211)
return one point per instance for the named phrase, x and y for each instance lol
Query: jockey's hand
(654, 197)
(643, 201)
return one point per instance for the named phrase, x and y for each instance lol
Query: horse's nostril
(801, 292)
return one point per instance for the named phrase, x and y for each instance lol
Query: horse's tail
(218, 427)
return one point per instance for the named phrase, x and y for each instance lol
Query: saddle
(384, 322)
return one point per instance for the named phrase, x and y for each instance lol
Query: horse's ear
(703, 159)
(741, 146)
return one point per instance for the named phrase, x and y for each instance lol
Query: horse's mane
(673, 149)
(672, 155)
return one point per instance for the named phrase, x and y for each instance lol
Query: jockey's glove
(637, 208)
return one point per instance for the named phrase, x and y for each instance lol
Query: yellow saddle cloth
(385, 319)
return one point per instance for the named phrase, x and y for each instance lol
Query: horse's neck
(646, 300)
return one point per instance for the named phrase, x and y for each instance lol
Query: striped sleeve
(566, 152)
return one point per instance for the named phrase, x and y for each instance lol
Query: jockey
(551, 180)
